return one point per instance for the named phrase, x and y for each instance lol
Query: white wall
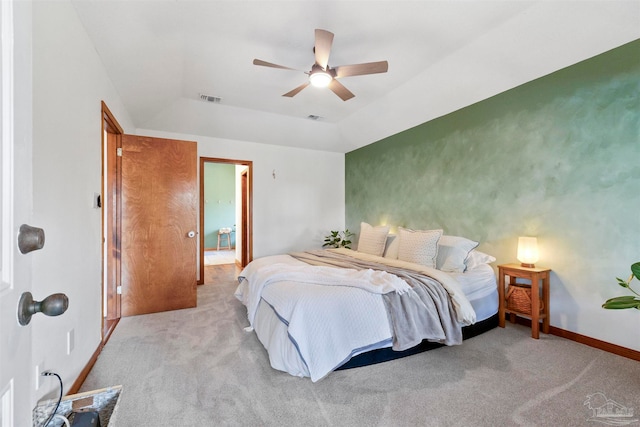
(69, 82)
(297, 208)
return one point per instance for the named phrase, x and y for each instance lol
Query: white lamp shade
(528, 251)
(320, 79)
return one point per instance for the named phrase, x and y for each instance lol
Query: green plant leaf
(620, 306)
(622, 298)
(621, 303)
(635, 269)
(622, 283)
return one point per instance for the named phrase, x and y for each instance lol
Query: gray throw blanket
(425, 312)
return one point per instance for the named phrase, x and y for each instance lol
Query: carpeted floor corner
(198, 367)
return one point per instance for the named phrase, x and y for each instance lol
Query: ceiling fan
(322, 75)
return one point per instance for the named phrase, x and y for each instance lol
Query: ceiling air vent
(209, 98)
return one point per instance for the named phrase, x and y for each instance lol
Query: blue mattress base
(385, 354)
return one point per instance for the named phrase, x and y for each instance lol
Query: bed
(323, 310)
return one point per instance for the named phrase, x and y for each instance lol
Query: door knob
(53, 305)
(30, 238)
(191, 234)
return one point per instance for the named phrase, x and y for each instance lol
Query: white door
(16, 390)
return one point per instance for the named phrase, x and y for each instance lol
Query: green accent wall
(557, 158)
(220, 201)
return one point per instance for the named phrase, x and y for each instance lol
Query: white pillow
(452, 252)
(477, 258)
(372, 239)
(418, 246)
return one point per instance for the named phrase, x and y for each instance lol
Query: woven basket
(519, 298)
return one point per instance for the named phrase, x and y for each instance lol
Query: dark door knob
(53, 305)
(30, 238)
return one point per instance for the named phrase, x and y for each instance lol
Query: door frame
(246, 225)
(247, 249)
(111, 216)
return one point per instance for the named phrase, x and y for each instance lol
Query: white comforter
(329, 324)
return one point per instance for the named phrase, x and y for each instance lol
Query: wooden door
(159, 214)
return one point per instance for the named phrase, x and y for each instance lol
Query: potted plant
(338, 239)
(626, 301)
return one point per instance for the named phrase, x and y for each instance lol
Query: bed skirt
(385, 354)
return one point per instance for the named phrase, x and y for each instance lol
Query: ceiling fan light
(320, 79)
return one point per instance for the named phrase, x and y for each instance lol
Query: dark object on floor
(86, 419)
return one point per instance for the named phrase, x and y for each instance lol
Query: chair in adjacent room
(223, 233)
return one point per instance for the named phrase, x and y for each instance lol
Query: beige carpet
(197, 367)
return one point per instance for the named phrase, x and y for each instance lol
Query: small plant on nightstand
(338, 239)
(626, 301)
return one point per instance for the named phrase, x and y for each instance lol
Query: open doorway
(225, 214)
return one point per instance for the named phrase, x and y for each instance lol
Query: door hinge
(119, 290)
(119, 151)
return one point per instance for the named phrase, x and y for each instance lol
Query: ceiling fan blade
(339, 89)
(295, 91)
(269, 64)
(322, 48)
(361, 69)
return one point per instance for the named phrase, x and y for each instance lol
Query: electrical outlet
(39, 370)
(71, 341)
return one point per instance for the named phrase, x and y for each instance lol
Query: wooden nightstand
(538, 277)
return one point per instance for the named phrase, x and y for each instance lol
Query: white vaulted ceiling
(443, 55)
